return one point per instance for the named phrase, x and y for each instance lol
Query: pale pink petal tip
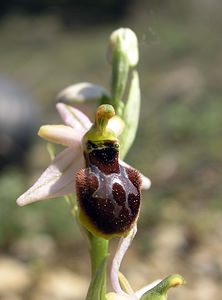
(146, 182)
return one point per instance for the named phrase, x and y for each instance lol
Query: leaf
(131, 115)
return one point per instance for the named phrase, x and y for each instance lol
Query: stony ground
(46, 274)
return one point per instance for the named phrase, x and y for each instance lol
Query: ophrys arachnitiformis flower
(108, 193)
(58, 179)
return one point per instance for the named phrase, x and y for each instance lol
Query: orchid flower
(153, 291)
(58, 179)
(118, 279)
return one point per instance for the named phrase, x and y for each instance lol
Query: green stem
(98, 253)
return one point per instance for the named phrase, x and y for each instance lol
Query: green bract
(159, 292)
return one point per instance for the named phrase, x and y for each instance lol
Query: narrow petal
(57, 179)
(146, 183)
(60, 134)
(124, 244)
(73, 117)
(81, 92)
(116, 124)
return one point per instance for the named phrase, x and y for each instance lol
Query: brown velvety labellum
(108, 193)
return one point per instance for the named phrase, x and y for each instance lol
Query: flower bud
(125, 40)
(123, 55)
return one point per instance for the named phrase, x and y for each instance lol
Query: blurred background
(48, 45)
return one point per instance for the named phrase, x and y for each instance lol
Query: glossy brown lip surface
(104, 156)
(108, 194)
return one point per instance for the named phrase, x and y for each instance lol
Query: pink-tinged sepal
(56, 180)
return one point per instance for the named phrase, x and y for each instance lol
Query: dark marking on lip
(108, 194)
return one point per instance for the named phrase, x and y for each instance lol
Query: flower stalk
(98, 256)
